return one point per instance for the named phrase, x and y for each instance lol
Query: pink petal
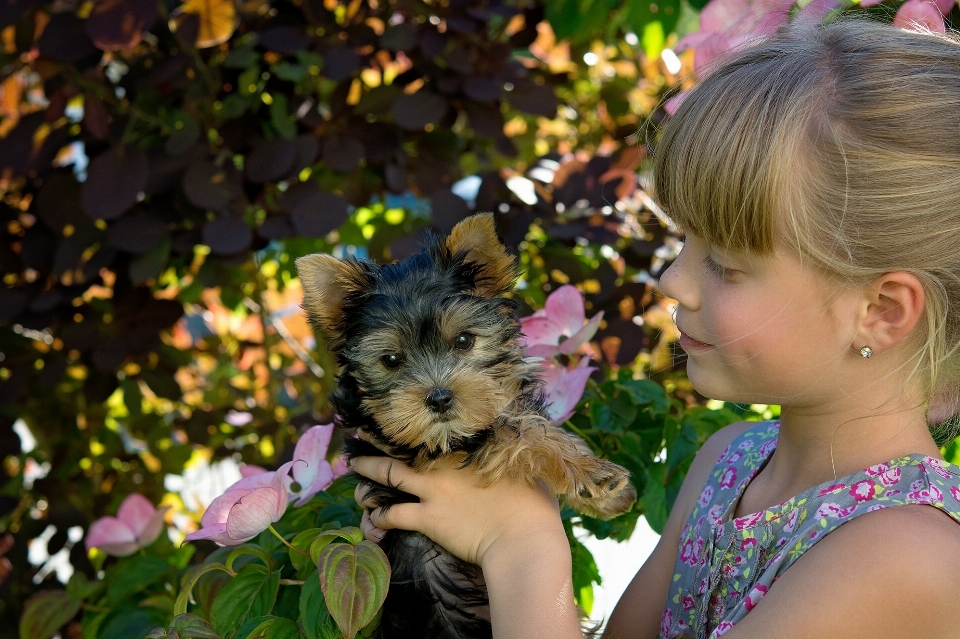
(540, 330)
(219, 508)
(136, 511)
(567, 393)
(716, 46)
(323, 477)
(153, 528)
(217, 533)
(541, 350)
(312, 449)
(281, 483)
(671, 105)
(690, 41)
(581, 337)
(817, 10)
(719, 15)
(251, 515)
(945, 6)
(565, 307)
(914, 13)
(340, 467)
(550, 374)
(249, 470)
(112, 536)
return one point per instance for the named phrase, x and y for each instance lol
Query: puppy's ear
(477, 237)
(326, 282)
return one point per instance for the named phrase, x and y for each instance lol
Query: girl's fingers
(404, 516)
(387, 471)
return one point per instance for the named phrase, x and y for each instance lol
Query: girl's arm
(511, 529)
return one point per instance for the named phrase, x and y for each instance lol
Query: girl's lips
(687, 343)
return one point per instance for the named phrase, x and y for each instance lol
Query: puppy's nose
(440, 400)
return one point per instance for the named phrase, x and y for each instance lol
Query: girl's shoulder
(886, 573)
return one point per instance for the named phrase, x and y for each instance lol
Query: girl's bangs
(724, 158)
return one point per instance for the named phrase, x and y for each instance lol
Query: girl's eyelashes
(717, 269)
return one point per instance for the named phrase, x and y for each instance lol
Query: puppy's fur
(431, 366)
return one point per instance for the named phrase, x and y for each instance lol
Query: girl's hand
(456, 510)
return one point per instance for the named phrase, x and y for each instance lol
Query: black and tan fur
(431, 366)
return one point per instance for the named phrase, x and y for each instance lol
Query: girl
(817, 177)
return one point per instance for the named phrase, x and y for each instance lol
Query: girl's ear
(477, 237)
(894, 304)
(326, 282)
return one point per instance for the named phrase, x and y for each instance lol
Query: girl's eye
(713, 267)
(463, 342)
(393, 360)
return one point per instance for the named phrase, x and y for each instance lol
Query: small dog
(432, 366)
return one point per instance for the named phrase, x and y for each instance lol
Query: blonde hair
(840, 143)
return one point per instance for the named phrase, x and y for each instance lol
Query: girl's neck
(817, 445)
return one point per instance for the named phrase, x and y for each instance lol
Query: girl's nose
(676, 283)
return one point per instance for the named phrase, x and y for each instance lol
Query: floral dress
(725, 566)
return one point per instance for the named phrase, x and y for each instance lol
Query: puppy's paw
(605, 490)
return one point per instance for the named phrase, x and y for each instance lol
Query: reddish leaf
(447, 209)
(354, 581)
(276, 227)
(11, 10)
(96, 120)
(45, 612)
(65, 39)
(208, 186)
(227, 235)
(119, 24)
(483, 89)
(270, 160)
(114, 182)
(340, 63)
(58, 202)
(137, 233)
(533, 98)
(413, 112)
(283, 38)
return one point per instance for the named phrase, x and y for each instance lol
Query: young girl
(817, 177)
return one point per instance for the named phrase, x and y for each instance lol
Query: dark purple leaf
(483, 88)
(448, 82)
(46, 302)
(342, 152)
(208, 186)
(432, 42)
(11, 10)
(396, 178)
(137, 233)
(227, 235)
(96, 120)
(413, 112)
(184, 133)
(12, 303)
(119, 24)
(270, 160)
(306, 146)
(283, 38)
(533, 98)
(485, 119)
(340, 63)
(447, 209)
(114, 182)
(319, 213)
(399, 37)
(65, 39)
(276, 227)
(407, 245)
(380, 140)
(58, 202)
(630, 340)
(377, 100)
(459, 60)
(108, 353)
(69, 254)
(165, 172)
(20, 153)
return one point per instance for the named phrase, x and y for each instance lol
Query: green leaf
(249, 549)
(250, 594)
(184, 133)
(180, 607)
(315, 619)
(283, 123)
(132, 622)
(354, 580)
(641, 15)
(132, 575)
(645, 392)
(275, 628)
(45, 612)
(79, 587)
(304, 564)
(585, 574)
(654, 500)
(150, 264)
(289, 72)
(242, 57)
(186, 627)
(324, 539)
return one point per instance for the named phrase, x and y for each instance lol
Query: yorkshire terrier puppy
(432, 366)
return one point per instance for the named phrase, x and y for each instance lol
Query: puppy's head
(430, 343)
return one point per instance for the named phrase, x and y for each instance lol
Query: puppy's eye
(463, 342)
(393, 360)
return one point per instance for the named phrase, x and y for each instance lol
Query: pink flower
(919, 13)
(245, 509)
(879, 469)
(136, 526)
(754, 596)
(748, 521)
(863, 490)
(749, 542)
(938, 467)
(722, 628)
(310, 466)
(563, 316)
(955, 492)
(563, 388)
(666, 622)
(706, 496)
(729, 476)
(836, 511)
(832, 489)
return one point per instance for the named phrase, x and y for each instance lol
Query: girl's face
(760, 329)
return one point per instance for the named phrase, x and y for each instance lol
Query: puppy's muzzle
(440, 400)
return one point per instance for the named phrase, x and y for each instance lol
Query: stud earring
(866, 352)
